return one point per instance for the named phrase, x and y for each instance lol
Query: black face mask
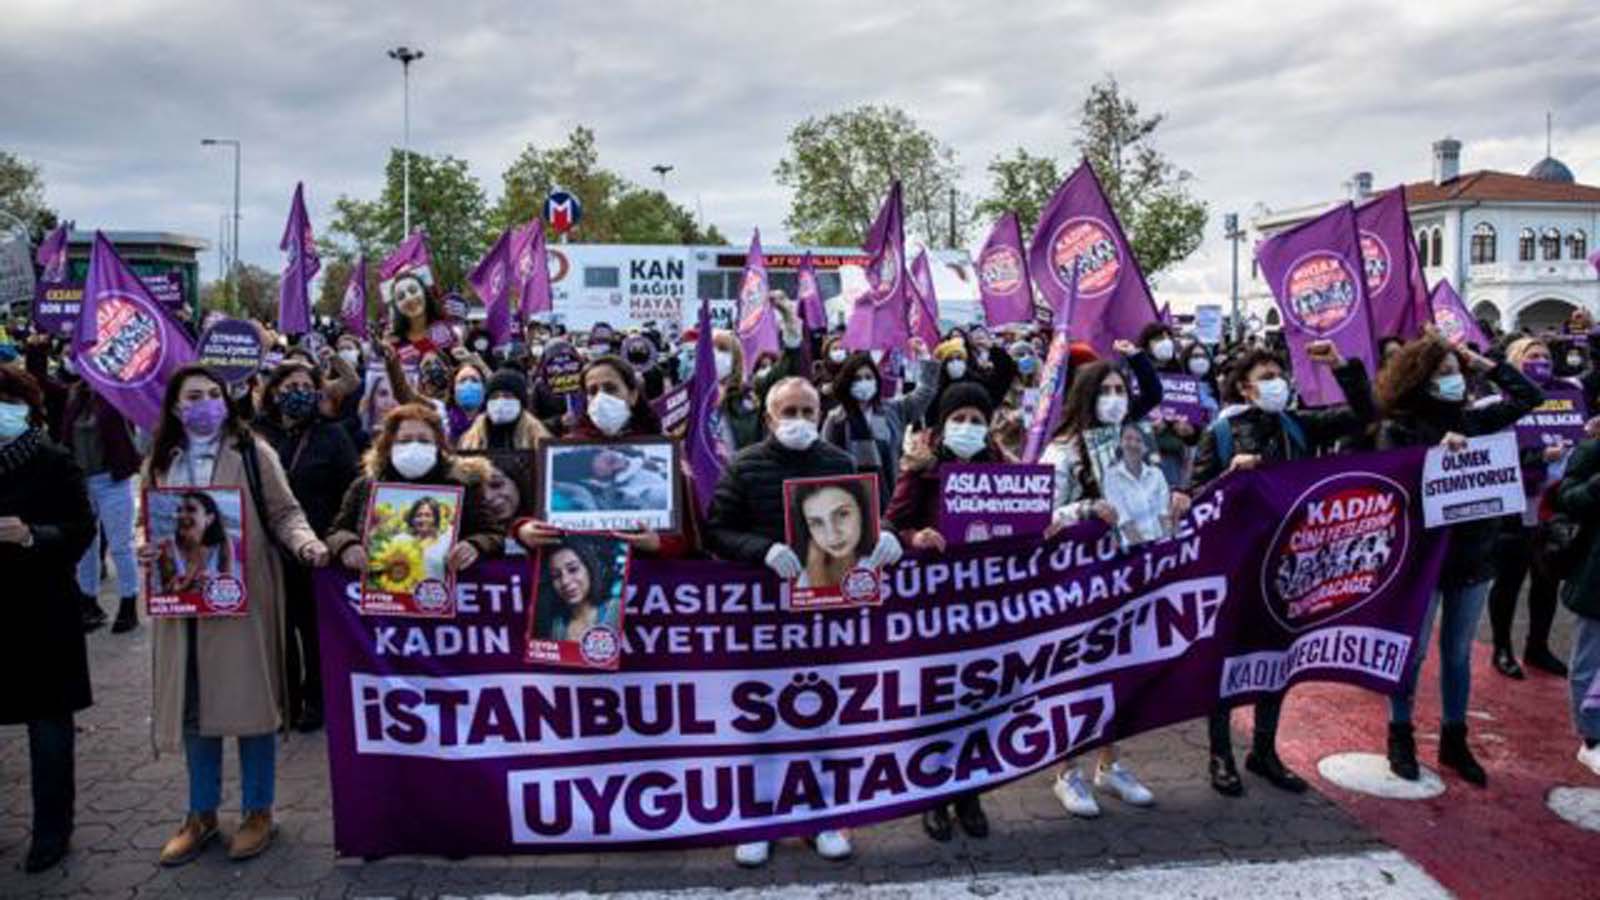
(436, 376)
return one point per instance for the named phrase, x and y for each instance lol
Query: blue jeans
(113, 507)
(258, 763)
(1458, 625)
(1584, 669)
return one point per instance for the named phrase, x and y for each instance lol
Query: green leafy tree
(1021, 183)
(840, 166)
(22, 195)
(445, 199)
(257, 298)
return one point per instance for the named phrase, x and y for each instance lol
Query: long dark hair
(1078, 409)
(431, 310)
(849, 370)
(857, 488)
(215, 533)
(269, 391)
(1403, 384)
(591, 553)
(430, 503)
(642, 418)
(169, 431)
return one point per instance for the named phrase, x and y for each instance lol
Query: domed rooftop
(1551, 169)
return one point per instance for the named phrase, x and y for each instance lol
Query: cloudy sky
(1271, 103)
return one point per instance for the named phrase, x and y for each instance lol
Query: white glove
(782, 560)
(1063, 516)
(887, 553)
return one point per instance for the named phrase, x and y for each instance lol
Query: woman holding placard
(224, 677)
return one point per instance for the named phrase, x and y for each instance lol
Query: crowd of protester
(331, 416)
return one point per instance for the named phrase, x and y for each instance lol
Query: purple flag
(492, 281)
(1003, 275)
(52, 253)
(1166, 314)
(353, 309)
(532, 270)
(1456, 325)
(878, 320)
(758, 321)
(1314, 271)
(924, 303)
(1389, 259)
(126, 345)
(808, 296)
(294, 304)
(706, 450)
(1113, 300)
(1594, 260)
(1053, 376)
(411, 254)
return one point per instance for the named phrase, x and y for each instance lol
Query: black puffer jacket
(747, 510)
(321, 462)
(1259, 433)
(1470, 559)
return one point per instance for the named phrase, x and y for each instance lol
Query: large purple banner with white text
(732, 719)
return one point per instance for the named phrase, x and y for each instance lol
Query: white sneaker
(1590, 756)
(752, 854)
(1121, 782)
(833, 845)
(1075, 795)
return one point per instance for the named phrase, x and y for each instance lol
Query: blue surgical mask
(1027, 365)
(13, 421)
(469, 394)
(1450, 388)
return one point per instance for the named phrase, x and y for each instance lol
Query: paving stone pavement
(130, 800)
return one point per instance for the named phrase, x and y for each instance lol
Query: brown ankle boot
(196, 831)
(253, 837)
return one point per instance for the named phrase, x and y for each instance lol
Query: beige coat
(240, 660)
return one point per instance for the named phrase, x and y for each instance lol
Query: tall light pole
(406, 56)
(233, 266)
(662, 169)
(1230, 224)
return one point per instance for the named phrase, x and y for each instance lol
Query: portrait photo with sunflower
(409, 531)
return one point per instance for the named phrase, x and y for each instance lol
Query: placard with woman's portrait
(576, 618)
(832, 525)
(409, 531)
(199, 570)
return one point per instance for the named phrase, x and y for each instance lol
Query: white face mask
(1272, 395)
(762, 372)
(837, 355)
(1111, 409)
(796, 434)
(965, 439)
(352, 357)
(13, 421)
(414, 459)
(724, 364)
(864, 389)
(503, 410)
(1575, 360)
(609, 413)
(1163, 349)
(956, 369)
(1199, 365)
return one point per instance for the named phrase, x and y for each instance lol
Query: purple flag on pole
(758, 321)
(1315, 273)
(1166, 314)
(1003, 275)
(1053, 376)
(125, 344)
(809, 297)
(532, 270)
(706, 450)
(491, 279)
(411, 254)
(1389, 259)
(294, 304)
(1594, 260)
(878, 320)
(52, 253)
(1456, 325)
(353, 309)
(1113, 301)
(924, 303)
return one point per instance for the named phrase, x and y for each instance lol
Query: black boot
(93, 616)
(127, 616)
(1224, 777)
(1454, 752)
(969, 812)
(1403, 751)
(44, 854)
(936, 822)
(1542, 659)
(1506, 664)
(1265, 762)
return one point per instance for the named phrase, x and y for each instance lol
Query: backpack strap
(1222, 436)
(1295, 434)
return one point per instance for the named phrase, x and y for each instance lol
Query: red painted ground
(1500, 841)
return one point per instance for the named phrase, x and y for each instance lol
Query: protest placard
(1482, 481)
(980, 502)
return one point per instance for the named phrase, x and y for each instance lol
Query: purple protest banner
(704, 443)
(1183, 400)
(1046, 416)
(1003, 284)
(1316, 278)
(732, 719)
(1450, 316)
(1112, 298)
(808, 295)
(758, 320)
(532, 265)
(125, 345)
(294, 305)
(672, 407)
(52, 254)
(878, 319)
(1559, 419)
(353, 308)
(411, 254)
(1389, 260)
(231, 349)
(56, 303)
(924, 321)
(491, 279)
(986, 501)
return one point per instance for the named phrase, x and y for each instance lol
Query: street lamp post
(406, 56)
(233, 265)
(1230, 224)
(662, 169)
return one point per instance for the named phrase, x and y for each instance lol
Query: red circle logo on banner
(1088, 241)
(1376, 260)
(1000, 270)
(1321, 292)
(129, 346)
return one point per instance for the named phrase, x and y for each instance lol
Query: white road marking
(1368, 773)
(1578, 805)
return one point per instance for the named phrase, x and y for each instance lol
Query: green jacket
(1579, 497)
